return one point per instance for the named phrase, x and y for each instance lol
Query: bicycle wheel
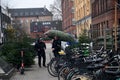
(63, 72)
(76, 75)
(51, 68)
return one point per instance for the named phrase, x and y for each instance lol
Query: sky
(28, 3)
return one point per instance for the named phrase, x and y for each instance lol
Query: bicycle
(74, 62)
(82, 72)
(54, 65)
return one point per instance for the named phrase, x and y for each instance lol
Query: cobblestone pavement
(34, 72)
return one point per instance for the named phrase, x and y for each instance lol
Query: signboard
(39, 26)
(45, 25)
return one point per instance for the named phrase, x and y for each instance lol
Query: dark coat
(40, 47)
(56, 45)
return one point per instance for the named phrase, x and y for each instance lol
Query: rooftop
(26, 12)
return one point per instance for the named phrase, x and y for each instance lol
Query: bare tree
(56, 10)
(6, 3)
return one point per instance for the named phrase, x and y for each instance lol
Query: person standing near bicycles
(56, 46)
(40, 47)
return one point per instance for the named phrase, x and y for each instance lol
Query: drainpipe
(115, 26)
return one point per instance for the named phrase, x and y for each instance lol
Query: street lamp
(115, 26)
(1, 34)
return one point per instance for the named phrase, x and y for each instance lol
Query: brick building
(24, 16)
(103, 18)
(68, 16)
(82, 16)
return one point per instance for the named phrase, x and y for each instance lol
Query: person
(56, 46)
(40, 48)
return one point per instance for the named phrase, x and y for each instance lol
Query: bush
(84, 39)
(47, 39)
(11, 53)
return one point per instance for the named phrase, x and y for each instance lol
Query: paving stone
(34, 72)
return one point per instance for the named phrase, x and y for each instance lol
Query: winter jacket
(40, 46)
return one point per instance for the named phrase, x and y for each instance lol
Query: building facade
(38, 28)
(104, 18)
(24, 17)
(5, 20)
(68, 16)
(82, 16)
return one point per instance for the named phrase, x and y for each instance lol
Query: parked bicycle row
(76, 65)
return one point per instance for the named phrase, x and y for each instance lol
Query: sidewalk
(36, 73)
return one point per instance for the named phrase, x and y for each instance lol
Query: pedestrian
(56, 46)
(40, 47)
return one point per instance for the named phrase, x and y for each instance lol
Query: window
(118, 1)
(35, 29)
(72, 9)
(16, 14)
(46, 26)
(21, 21)
(21, 14)
(107, 24)
(119, 22)
(31, 13)
(26, 13)
(32, 20)
(106, 4)
(101, 5)
(27, 21)
(36, 13)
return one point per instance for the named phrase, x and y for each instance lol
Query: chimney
(44, 7)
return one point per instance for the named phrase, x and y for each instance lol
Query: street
(34, 72)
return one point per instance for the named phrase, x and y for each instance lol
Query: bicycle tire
(50, 68)
(71, 74)
(77, 75)
(63, 73)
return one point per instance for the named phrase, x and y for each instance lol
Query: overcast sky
(28, 3)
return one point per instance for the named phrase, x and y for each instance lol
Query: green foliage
(46, 38)
(11, 53)
(15, 40)
(11, 49)
(9, 34)
(84, 39)
(62, 35)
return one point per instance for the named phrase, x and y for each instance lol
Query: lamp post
(115, 26)
(1, 34)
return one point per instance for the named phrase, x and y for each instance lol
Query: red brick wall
(68, 15)
(104, 15)
(27, 25)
